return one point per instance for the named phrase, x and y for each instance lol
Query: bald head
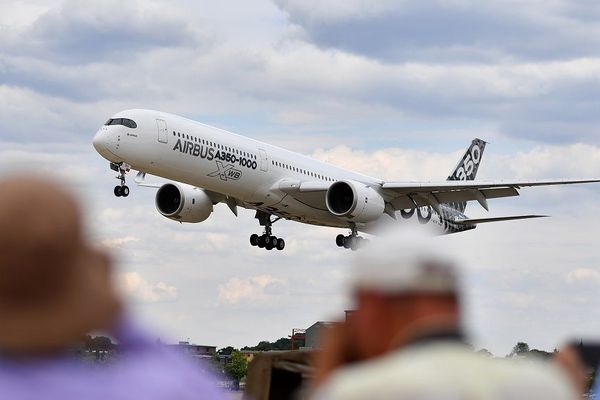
(54, 286)
(40, 235)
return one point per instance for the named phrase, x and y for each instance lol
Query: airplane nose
(102, 144)
(99, 142)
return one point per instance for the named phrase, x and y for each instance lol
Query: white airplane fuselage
(235, 166)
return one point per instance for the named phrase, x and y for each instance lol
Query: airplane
(207, 165)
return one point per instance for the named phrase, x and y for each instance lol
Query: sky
(394, 89)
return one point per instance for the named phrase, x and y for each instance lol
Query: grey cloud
(292, 87)
(116, 31)
(450, 31)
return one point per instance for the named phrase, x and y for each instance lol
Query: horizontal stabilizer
(497, 219)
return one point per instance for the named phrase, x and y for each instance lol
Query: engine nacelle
(183, 203)
(354, 201)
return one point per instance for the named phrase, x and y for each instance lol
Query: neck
(438, 327)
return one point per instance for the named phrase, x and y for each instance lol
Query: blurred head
(54, 286)
(402, 289)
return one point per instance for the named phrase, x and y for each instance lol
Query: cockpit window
(122, 121)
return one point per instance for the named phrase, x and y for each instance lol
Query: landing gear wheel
(272, 241)
(267, 240)
(352, 241)
(262, 241)
(280, 244)
(121, 190)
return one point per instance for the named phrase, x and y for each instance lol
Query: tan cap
(397, 263)
(54, 287)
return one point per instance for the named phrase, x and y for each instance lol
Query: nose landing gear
(121, 190)
(266, 240)
(352, 241)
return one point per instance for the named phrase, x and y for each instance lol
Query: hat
(397, 264)
(54, 287)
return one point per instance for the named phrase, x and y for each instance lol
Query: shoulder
(533, 376)
(446, 368)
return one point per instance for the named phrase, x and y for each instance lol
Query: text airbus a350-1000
(207, 166)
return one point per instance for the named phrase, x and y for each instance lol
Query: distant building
(195, 350)
(315, 331)
(313, 335)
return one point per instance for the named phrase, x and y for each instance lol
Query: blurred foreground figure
(55, 288)
(405, 340)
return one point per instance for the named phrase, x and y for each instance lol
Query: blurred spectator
(581, 361)
(54, 288)
(405, 340)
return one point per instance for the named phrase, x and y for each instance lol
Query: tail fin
(467, 168)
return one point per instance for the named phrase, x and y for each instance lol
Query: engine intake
(354, 201)
(183, 203)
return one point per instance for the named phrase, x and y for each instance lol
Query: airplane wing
(408, 195)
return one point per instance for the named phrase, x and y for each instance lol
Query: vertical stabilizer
(467, 168)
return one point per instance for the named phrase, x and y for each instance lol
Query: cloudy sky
(392, 88)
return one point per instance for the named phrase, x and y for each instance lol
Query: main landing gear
(266, 240)
(352, 241)
(121, 190)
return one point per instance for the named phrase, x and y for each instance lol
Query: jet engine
(354, 201)
(183, 203)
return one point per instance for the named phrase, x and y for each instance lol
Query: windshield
(122, 121)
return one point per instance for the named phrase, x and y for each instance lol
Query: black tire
(280, 244)
(339, 240)
(125, 191)
(273, 241)
(261, 242)
(117, 191)
(269, 247)
(254, 239)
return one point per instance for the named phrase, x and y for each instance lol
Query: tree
(237, 367)
(520, 348)
(263, 346)
(226, 351)
(279, 344)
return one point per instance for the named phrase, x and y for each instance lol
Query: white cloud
(134, 285)
(253, 289)
(584, 275)
(119, 241)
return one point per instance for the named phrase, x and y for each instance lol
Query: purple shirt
(144, 371)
